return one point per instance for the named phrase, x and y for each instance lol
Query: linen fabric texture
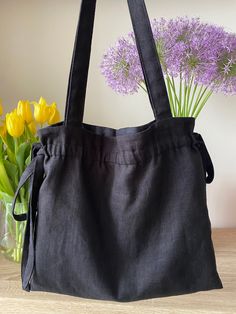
(118, 214)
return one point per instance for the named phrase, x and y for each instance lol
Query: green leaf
(1, 188)
(28, 160)
(1, 148)
(10, 143)
(10, 155)
(4, 179)
(6, 197)
(22, 153)
(12, 172)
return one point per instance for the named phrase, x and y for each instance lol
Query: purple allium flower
(225, 78)
(186, 47)
(171, 40)
(189, 47)
(121, 67)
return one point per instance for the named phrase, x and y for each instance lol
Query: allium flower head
(121, 67)
(171, 38)
(225, 79)
(187, 47)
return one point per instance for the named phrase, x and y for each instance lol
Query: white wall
(36, 39)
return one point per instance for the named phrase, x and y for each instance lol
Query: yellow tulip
(54, 114)
(41, 111)
(15, 124)
(3, 130)
(24, 110)
(32, 127)
(1, 108)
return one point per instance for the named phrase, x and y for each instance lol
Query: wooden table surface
(14, 300)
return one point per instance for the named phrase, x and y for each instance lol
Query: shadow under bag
(118, 214)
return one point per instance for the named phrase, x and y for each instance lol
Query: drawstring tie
(34, 172)
(206, 159)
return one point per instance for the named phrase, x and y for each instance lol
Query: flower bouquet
(197, 59)
(17, 135)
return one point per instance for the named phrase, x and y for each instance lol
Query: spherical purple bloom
(171, 40)
(121, 67)
(225, 77)
(188, 48)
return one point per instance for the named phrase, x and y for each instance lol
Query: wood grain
(14, 300)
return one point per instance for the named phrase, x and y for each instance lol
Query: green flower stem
(171, 99)
(199, 93)
(192, 98)
(203, 103)
(188, 95)
(175, 99)
(143, 88)
(27, 132)
(21, 241)
(199, 98)
(16, 146)
(14, 255)
(18, 235)
(17, 241)
(196, 100)
(185, 104)
(172, 84)
(180, 93)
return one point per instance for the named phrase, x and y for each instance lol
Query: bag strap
(147, 52)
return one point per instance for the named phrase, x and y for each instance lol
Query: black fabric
(119, 214)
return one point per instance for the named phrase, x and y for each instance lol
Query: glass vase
(11, 231)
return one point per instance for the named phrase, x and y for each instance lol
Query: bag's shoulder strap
(147, 52)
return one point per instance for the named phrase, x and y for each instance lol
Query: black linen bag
(118, 214)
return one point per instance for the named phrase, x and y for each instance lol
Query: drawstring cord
(206, 159)
(35, 172)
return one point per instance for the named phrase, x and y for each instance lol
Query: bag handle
(147, 52)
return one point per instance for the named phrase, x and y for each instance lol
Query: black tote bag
(118, 214)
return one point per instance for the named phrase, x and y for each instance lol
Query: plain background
(36, 41)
